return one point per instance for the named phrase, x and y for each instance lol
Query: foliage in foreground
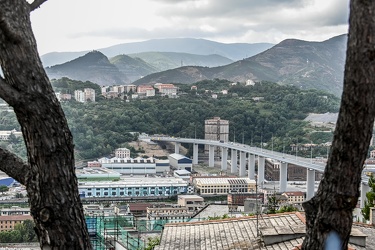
(23, 232)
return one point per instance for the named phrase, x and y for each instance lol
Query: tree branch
(8, 93)
(13, 166)
(36, 4)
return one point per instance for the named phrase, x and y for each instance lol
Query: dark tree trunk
(49, 175)
(331, 209)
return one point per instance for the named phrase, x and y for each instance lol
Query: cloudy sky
(75, 25)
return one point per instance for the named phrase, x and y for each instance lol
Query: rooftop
(278, 231)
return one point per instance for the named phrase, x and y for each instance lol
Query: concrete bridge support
(224, 159)
(211, 155)
(195, 154)
(251, 172)
(364, 189)
(233, 167)
(283, 176)
(177, 147)
(261, 164)
(310, 184)
(242, 164)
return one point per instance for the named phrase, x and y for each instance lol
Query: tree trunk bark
(331, 209)
(50, 177)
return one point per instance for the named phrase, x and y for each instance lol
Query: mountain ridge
(301, 63)
(233, 51)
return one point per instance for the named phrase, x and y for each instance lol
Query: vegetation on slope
(100, 127)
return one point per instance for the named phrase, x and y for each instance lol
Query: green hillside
(100, 127)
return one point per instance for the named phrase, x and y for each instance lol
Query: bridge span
(250, 154)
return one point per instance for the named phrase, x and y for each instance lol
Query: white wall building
(5, 134)
(179, 162)
(122, 153)
(222, 186)
(134, 187)
(87, 94)
(136, 166)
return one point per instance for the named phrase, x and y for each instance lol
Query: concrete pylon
(261, 164)
(224, 159)
(310, 184)
(233, 168)
(251, 172)
(242, 164)
(283, 176)
(211, 155)
(195, 154)
(177, 147)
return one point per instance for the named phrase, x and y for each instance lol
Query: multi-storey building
(122, 153)
(191, 202)
(223, 186)
(158, 216)
(146, 90)
(8, 223)
(216, 129)
(87, 94)
(166, 89)
(294, 197)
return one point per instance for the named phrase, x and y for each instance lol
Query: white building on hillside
(122, 153)
(87, 94)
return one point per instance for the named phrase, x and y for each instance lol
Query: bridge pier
(310, 184)
(261, 164)
(283, 176)
(251, 173)
(233, 164)
(195, 153)
(211, 155)
(224, 159)
(177, 147)
(242, 164)
(364, 189)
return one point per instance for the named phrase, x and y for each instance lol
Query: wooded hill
(98, 128)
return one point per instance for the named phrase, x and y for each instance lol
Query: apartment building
(87, 94)
(8, 223)
(294, 197)
(146, 90)
(166, 89)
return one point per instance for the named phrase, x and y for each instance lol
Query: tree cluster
(98, 128)
(23, 232)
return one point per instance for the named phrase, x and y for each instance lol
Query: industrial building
(183, 174)
(97, 174)
(136, 166)
(134, 187)
(179, 162)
